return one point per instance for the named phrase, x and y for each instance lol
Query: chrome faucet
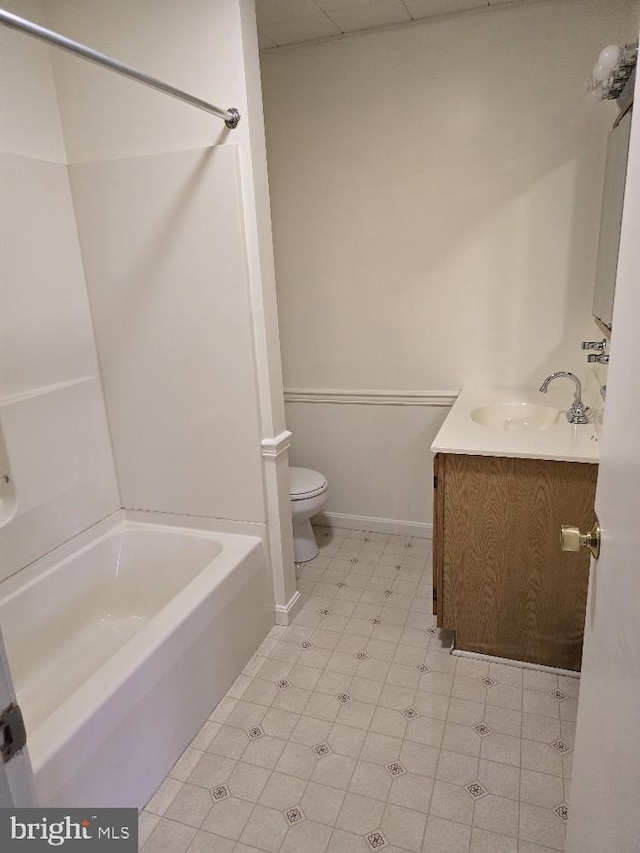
(578, 412)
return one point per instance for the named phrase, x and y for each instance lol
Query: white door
(16, 778)
(604, 808)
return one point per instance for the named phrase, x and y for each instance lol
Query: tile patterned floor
(355, 730)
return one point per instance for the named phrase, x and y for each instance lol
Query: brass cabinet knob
(572, 540)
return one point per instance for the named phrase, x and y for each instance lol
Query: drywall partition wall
(162, 244)
(53, 426)
(435, 197)
(257, 209)
(209, 49)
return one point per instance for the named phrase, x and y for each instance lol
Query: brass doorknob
(572, 540)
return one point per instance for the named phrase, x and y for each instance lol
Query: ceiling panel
(283, 22)
(301, 29)
(271, 12)
(375, 13)
(331, 5)
(264, 41)
(426, 8)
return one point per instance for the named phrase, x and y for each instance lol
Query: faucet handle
(601, 356)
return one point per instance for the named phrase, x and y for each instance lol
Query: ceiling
(283, 22)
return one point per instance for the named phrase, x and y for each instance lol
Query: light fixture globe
(610, 57)
(602, 73)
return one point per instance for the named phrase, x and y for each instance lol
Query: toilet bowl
(308, 490)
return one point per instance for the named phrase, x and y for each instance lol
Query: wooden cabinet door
(506, 587)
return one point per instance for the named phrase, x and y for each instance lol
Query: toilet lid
(305, 483)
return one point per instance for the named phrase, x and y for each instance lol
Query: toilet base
(305, 546)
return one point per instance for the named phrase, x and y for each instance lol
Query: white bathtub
(120, 644)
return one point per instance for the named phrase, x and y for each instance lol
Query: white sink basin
(516, 416)
(519, 423)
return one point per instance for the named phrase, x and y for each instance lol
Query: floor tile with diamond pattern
(355, 729)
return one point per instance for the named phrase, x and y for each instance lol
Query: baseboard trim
(286, 613)
(521, 664)
(421, 530)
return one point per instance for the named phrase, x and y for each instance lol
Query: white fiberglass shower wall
(54, 439)
(139, 357)
(173, 216)
(171, 211)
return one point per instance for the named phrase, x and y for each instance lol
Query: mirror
(610, 220)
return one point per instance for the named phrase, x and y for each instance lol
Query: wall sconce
(611, 72)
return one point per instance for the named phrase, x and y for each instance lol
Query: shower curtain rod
(231, 116)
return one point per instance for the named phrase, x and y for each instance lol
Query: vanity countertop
(562, 441)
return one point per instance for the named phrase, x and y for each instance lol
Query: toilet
(308, 490)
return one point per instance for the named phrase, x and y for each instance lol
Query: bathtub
(120, 644)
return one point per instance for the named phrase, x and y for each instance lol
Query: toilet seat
(304, 483)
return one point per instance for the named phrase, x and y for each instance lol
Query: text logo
(96, 829)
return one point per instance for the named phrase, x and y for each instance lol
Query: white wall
(54, 439)
(376, 458)
(436, 195)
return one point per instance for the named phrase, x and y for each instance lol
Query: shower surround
(139, 372)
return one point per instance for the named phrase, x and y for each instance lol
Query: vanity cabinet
(501, 581)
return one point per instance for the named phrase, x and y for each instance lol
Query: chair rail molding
(370, 397)
(276, 446)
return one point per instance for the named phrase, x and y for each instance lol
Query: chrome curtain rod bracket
(234, 121)
(231, 116)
